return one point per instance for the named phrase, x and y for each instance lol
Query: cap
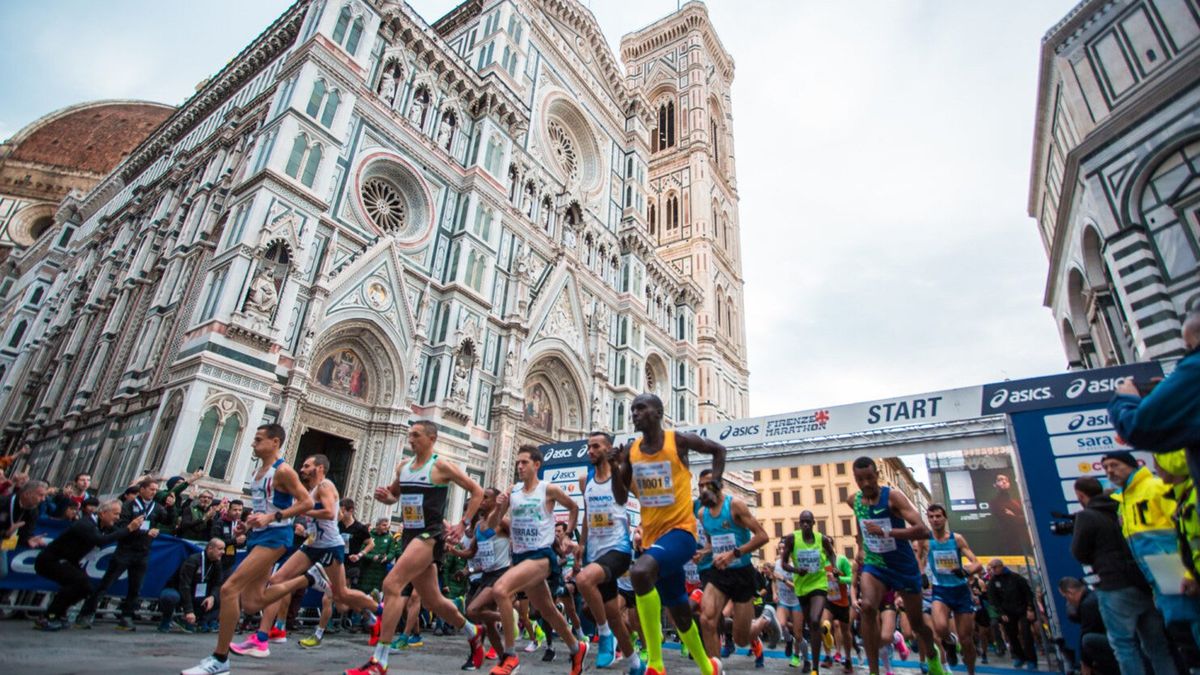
(1123, 456)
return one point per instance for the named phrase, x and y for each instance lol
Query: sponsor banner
(1080, 422)
(570, 464)
(1089, 465)
(1096, 441)
(166, 554)
(1066, 389)
(568, 453)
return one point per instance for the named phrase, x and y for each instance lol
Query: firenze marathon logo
(800, 424)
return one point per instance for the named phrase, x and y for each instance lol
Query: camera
(1063, 524)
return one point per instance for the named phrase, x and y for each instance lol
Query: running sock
(649, 609)
(319, 633)
(280, 624)
(574, 651)
(221, 657)
(310, 579)
(260, 636)
(468, 628)
(603, 629)
(381, 653)
(695, 644)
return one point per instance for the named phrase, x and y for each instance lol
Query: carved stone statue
(601, 317)
(596, 423)
(446, 131)
(416, 111)
(458, 386)
(569, 237)
(414, 383)
(263, 298)
(387, 86)
(510, 365)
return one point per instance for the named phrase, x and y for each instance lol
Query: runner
(942, 555)
(535, 566)
(656, 466)
(735, 534)
(609, 552)
(787, 605)
(325, 547)
(421, 486)
(490, 553)
(570, 561)
(887, 523)
(278, 496)
(837, 607)
(808, 557)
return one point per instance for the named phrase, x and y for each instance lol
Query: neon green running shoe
(795, 662)
(311, 642)
(400, 643)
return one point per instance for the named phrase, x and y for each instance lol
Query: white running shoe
(320, 579)
(209, 666)
(531, 647)
(774, 630)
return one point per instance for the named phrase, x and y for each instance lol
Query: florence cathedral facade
(365, 219)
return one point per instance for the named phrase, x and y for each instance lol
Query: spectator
(198, 580)
(357, 538)
(374, 565)
(130, 494)
(76, 492)
(1095, 653)
(19, 513)
(90, 506)
(68, 512)
(1187, 524)
(175, 485)
(196, 518)
(10, 463)
(225, 528)
(1168, 418)
(1126, 604)
(132, 555)
(1013, 598)
(59, 561)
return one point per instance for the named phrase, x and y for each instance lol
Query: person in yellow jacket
(1172, 467)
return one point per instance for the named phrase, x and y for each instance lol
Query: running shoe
(827, 635)
(508, 665)
(924, 668)
(756, 647)
(415, 641)
(371, 667)
(476, 644)
(774, 630)
(687, 654)
(320, 580)
(654, 671)
(492, 655)
(84, 622)
(375, 629)
(760, 661)
(532, 646)
(579, 658)
(827, 661)
(548, 655)
(898, 641)
(277, 636)
(639, 669)
(209, 666)
(727, 649)
(400, 643)
(469, 664)
(126, 623)
(935, 662)
(310, 642)
(717, 668)
(50, 625)
(795, 662)
(251, 646)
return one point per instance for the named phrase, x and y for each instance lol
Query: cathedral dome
(88, 137)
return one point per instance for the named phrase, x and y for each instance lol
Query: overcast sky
(882, 149)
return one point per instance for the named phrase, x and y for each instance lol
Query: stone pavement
(104, 651)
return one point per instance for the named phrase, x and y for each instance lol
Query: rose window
(563, 147)
(384, 204)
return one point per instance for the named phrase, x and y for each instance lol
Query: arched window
(296, 158)
(315, 100)
(679, 410)
(720, 307)
(547, 215)
(331, 106)
(671, 212)
(18, 333)
(310, 167)
(620, 425)
(37, 295)
(715, 140)
(356, 31)
(215, 441)
(1169, 195)
(653, 218)
(343, 22)
(666, 126)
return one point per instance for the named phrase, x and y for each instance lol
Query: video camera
(1063, 524)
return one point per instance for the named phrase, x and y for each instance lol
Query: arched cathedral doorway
(553, 408)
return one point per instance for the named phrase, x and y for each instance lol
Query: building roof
(90, 137)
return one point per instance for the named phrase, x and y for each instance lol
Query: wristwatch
(278, 516)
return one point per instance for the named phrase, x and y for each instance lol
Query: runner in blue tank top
(941, 557)
(278, 497)
(887, 524)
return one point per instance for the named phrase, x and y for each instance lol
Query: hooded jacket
(1100, 543)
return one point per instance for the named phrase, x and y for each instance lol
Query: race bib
(412, 510)
(691, 572)
(835, 591)
(654, 484)
(526, 538)
(145, 526)
(808, 560)
(945, 562)
(600, 521)
(877, 543)
(723, 543)
(201, 590)
(485, 553)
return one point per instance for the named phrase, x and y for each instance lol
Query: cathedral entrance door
(339, 451)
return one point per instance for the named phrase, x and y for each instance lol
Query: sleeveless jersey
(883, 551)
(944, 558)
(265, 499)
(725, 534)
(532, 524)
(324, 533)
(839, 593)
(813, 560)
(422, 502)
(492, 551)
(785, 593)
(664, 489)
(607, 521)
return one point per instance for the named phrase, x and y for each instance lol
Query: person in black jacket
(196, 518)
(1083, 608)
(132, 554)
(1013, 598)
(19, 513)
(59, 561)
(196, 582)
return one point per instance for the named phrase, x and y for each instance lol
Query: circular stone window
(570, 146)
(394, 200)
(563, 147)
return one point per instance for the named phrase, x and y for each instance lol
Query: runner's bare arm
(973, 565)
(448, 472)
(390, 494)
(829, 553)
(622, 469)
(899, 504)
(584, 528)
(685, 442)
(922, 550)
(789, 541)
(328, 498)
(556, 494)
(743, 517)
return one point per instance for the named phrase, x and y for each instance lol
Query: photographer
(1125, 599)
(1083, 608)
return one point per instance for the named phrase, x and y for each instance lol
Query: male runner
(887, 523)
(421, 486)
(278, 496)
(734, 534)
(807, 554)
(491, 553)
(942, 555)
(609, 552)
(656, 466)
(534, 562)
(324, 546)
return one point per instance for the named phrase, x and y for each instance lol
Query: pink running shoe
(901, 647)
(251, 646)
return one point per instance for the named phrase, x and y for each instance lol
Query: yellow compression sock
(691, 639)
(649, 609)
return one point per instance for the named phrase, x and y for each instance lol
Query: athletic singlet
(839, 593)
(607, 521)
(884, 551)
(701, 538)
(324, 533)
(532, 523)
(663, 486)
(944, 558)
(785, 593)
(422, 502)
(725, 534)
(264, 498)
(492, 551)
(813, 560)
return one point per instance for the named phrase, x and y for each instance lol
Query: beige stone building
(823, 489)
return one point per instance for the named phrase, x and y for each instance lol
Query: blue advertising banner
(166, 554)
